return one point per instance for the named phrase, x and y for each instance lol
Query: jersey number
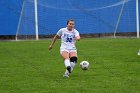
(69, 40)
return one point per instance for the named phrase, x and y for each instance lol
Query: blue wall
(94, 16)
(50, 23)
(9, 16)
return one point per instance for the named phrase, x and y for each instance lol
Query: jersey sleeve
(76, 33)
(59, 33)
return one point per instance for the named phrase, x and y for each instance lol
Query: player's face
(70, 25)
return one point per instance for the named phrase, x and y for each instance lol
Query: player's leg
(65, 56)
(73, 59)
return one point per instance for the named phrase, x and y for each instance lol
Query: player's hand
(77, 38)
(50, 47)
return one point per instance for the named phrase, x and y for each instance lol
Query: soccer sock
(66, 72)
(67, 62)
(72, 65)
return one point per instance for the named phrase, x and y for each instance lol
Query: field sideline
(28, 67)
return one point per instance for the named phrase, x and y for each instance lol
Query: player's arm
(53, 41)
(77, 38)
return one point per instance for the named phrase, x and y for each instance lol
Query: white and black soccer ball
(84, 65)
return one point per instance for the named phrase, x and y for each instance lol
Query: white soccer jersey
(68, 38)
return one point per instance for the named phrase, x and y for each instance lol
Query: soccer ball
(84, 65)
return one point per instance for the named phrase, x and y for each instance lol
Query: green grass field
(28, 67)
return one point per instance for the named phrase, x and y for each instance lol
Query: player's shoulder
(75, 30)
(63, 29)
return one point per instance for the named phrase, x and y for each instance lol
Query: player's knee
(73, 59)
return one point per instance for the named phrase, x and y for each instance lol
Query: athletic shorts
(68, 50)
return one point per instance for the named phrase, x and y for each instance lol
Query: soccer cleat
(65, 75)
(69, 69)
(139, 52)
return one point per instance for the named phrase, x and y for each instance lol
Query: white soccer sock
(72, 65)
(66, 72)
(67, 62)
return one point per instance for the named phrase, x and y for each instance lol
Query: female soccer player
(68, 50)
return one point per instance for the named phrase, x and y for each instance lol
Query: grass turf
(28, 67)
